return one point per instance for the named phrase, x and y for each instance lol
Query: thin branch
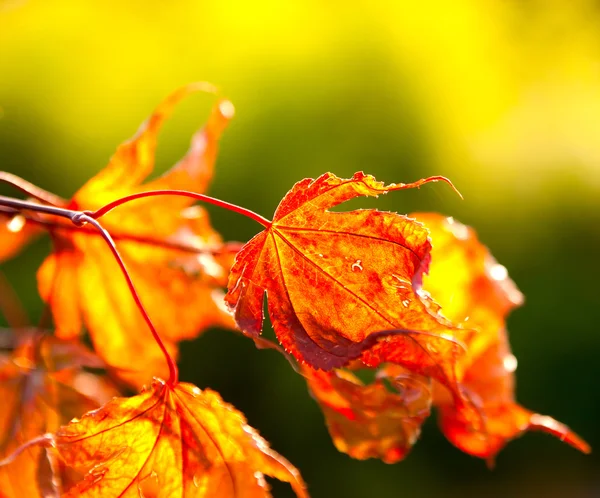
(50, 224)
(39, 208)
(182, 193)
(79, 219)
(31, 190)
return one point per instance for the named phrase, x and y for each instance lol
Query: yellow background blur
(501, 96)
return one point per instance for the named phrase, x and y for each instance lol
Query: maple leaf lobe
(370, 421)
(170, 441)
(473, 288)
(338, 281)
(42, 385)
(176, 259)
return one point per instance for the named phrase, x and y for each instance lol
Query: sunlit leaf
(42, 387)
(177, 261)
(490, 384)
(372, 421)
(467, 282)
(474, 289)
(334, 280)
(170, 441)
(15, 232)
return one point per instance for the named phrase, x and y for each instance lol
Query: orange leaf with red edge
(372, 421)
(170, 441)
(42, 387)
(490, 383)
(177, 261)
(335, 280)
(474, 289)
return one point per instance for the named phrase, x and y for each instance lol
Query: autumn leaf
(170, 441)
(490, 383)
(336, 280)
(42, 387)
(468, 283)
(15, 232)
(474, 289)
(177, 261)
(372, 421)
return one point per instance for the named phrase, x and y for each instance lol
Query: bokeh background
(501, 96)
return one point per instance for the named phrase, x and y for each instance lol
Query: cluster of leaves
(416, 299)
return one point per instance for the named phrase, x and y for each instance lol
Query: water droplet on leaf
(199, 480)
(357, 266)
(498, 272)
(510, 363)
(227, 109)
(16, 224)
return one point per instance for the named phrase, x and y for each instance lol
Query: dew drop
(510, 363)
(460, 231)
(498, 272)
(191, 213)
(227, 109)
(357, 266)
(196, 391)
(97, 474)
(405, 303)
(392, 282)
(16, 224)
(199, 480)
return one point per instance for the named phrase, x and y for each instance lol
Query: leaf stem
(39, 208)
(30, 189)
(80, 219)
(182, 193)
(50, 224)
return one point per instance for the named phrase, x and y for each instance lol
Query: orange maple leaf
(370, 421)
(178, 262)
(170, 441)
(335, 280)
(42, 387)
(474, 289)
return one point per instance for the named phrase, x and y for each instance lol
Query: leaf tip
(561, 431)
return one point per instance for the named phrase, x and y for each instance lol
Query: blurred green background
(503, 97)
